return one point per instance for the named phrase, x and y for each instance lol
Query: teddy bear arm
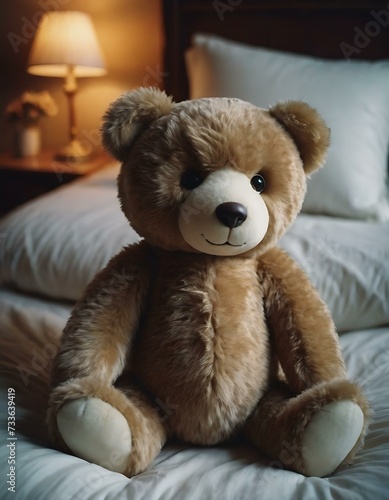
(301, 329)
(100, 331)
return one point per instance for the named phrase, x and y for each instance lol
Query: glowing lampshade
(63, 39)
(65, 45)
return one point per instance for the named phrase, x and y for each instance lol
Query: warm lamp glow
(63, 39)
(65, 45)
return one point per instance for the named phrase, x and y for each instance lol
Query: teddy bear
(205, 330)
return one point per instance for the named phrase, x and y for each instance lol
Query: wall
(130, 34)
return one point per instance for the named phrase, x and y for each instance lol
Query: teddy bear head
(218, 175)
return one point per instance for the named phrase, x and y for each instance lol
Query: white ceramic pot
(27, 141)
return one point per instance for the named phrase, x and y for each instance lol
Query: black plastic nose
(231, 214)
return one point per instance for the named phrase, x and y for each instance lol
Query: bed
(51, 248)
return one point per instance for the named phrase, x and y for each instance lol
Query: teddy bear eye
(190, 180)
(258, 183)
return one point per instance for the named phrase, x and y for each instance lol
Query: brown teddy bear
(206, 317)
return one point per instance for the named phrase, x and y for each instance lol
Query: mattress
(54, 245)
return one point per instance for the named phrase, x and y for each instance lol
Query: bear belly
(205, 354)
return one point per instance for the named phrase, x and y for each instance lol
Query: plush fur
(188, 342)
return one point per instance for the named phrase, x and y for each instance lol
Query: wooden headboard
(329, 29)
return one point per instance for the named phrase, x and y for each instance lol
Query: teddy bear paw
(330, 436)
(96, 431)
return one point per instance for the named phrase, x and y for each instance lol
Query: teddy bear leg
(313, 433)
(118, 430)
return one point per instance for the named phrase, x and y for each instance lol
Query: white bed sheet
(29, 331)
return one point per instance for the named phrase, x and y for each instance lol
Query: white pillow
(353, 98)
(54, 245)
(347, 262)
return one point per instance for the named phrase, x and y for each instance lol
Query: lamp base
(74, 152)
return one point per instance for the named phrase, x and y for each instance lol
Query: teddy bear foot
(330, 436)
(95, 431)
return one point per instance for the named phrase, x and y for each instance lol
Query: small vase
(27, 141)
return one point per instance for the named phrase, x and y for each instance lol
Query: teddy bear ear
(129, 115)
(308, 130)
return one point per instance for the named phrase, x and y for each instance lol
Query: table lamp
(66, 45)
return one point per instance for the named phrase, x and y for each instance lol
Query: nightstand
(22, 179)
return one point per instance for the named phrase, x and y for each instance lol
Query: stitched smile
(222, 244)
